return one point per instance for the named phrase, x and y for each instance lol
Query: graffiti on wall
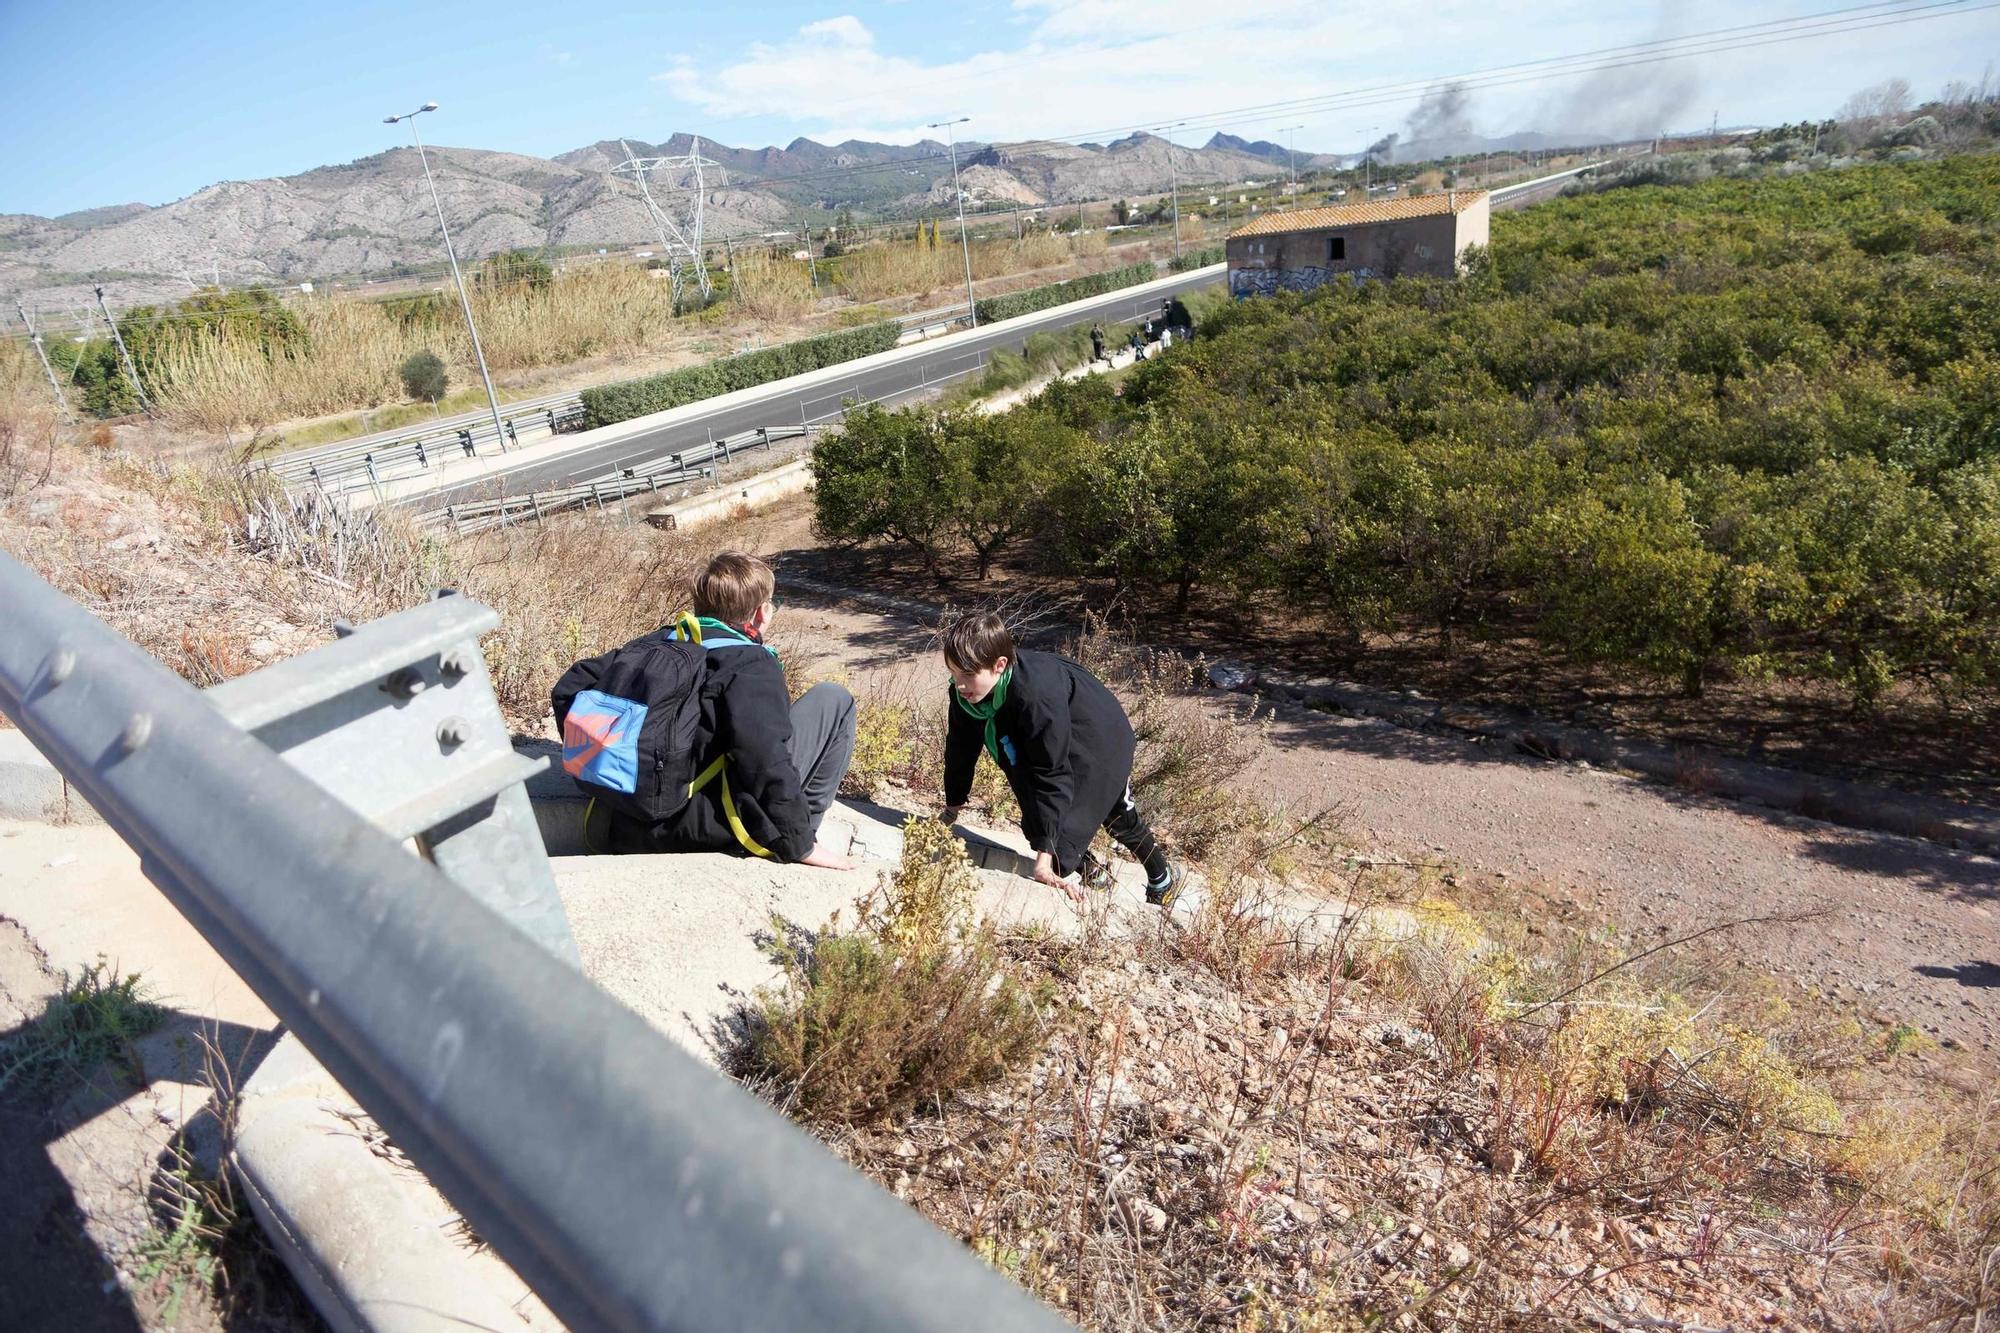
(1268, 281)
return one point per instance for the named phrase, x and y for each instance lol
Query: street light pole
(964, 246)
(464, 301)
(1174, 176)
(1292, 153)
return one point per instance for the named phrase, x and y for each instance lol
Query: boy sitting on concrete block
(687, 740)
(1065, 744)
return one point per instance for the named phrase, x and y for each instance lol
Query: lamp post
(464, 301)
(964, 246)
(1174, 176)
(1292, 154)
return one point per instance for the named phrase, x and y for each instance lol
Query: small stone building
(1297, 251)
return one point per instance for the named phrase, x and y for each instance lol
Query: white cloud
(1073, 67)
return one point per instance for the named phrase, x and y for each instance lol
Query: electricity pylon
(680, 229)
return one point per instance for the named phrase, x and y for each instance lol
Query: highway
(910, 373)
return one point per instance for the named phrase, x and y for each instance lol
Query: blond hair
(732, 586)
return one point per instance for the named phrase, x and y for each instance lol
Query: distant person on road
(687, 739)
(1097, 342)
(1066, 746)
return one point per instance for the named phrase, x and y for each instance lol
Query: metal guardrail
(375, 460)
(630, 1186)
(684, 467)
(480, 515)
(389, 455)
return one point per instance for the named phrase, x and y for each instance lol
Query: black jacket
(1066, 748)
(746, 712)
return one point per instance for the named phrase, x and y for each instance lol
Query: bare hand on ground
(1045, 873)
(825, 859)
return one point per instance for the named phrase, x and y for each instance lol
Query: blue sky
(122, 102)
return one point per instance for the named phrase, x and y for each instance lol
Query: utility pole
(42, 353)
(1173, 176)
(464, 301)
(964, 246)
(131, 372)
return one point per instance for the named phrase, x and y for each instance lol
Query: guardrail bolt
(138, 730)
(454, 666)
(406, 684)
(453, 732)
(62, 665)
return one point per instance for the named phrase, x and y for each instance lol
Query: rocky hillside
(373, 216)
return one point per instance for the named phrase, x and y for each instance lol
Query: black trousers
(1128, 829)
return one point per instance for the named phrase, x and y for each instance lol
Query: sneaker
(1096, 874)
(1162, 896)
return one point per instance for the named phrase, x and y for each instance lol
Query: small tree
(424, 376)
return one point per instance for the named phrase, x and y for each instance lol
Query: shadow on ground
(53, 1275)
(1982, 975)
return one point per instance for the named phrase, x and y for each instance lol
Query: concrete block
(31, 788)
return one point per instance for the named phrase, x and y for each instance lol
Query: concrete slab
(32, 789)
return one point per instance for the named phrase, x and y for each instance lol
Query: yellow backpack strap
(708, 775)
(750, 844)
(688, 626)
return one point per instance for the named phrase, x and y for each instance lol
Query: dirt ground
(1895, 928)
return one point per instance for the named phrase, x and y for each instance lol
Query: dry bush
(914, 1004)
(1189, 756)
(30, 423)
(876, 272)
(569, 588)
(217, 377)
(771, 289)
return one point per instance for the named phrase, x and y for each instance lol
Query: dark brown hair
(732, 586)
(976, 641)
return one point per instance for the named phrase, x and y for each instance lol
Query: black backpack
(629, 721)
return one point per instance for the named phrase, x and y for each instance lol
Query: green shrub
(914, 1004)
(657, 393)
(992, 309)
(1214, 254)
(424, 376)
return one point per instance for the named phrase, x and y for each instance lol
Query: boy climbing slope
(1064, 743)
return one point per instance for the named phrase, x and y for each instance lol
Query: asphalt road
(950, 360)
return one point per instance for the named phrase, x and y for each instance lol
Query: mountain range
(374, 216)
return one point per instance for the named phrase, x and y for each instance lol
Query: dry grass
(773, 290)
(215, 379)
(902, 268)
(1383, 1129)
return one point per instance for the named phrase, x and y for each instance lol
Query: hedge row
(996, 308)
(656, 393)
(1197, 259)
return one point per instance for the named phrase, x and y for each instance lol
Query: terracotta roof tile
(1350, 215)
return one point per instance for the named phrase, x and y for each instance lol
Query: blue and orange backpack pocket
(601, 740)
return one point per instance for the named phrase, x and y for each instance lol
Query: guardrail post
(451, 516)
(465, 443)
(535, 504)
(764, 434)
(512, 438)
(552, 421)
(597, 497)
(423, 459)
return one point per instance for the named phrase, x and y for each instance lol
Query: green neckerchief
(989, 707)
